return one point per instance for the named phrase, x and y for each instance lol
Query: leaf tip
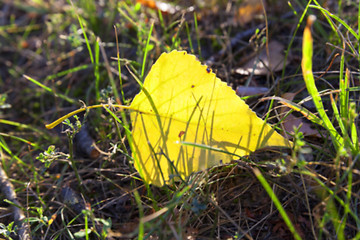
(311, 19)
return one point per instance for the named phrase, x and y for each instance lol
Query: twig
(19, 217)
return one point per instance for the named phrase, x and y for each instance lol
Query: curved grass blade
(306, 65)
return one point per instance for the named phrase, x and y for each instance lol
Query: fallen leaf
(186, 119)
(293, 121)
(147, 3)
(260, 65)
(164, 7)
(248, 11)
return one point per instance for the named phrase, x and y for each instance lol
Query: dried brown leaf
(248, 11)
(260, 65)
(293, 121)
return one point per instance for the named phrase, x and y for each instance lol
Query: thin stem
(72, 162)
(60, 120)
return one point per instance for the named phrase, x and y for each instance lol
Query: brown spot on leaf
(181, 133)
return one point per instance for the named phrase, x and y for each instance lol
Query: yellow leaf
(183, 101)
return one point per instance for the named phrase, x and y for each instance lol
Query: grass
(99, 52)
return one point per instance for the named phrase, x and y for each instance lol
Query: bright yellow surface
(197, 107)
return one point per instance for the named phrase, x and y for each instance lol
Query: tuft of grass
(346, 142)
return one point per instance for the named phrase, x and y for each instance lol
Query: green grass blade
(141, 215)
(332, 193)
(119, 68)
(23, 126)
(84, 33)
(296, 107)
(197, 35)
(203, 146)
(96, 69)
(293, 38)
(347, 208)
(7, 149)
(359, 31)
(326, 12)
(109, 73)
(127, 130)
(335, 218)
(33, 144)
(39, 84)
(343, 85)
(353, 128)
(189, 37)
(62, 96)
(354, 89)
(306, 65)
(146, 52)
(352, 115)
(339, 120)
(277, 203)
(67, 71)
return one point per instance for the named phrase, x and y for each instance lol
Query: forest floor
(78, 180)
